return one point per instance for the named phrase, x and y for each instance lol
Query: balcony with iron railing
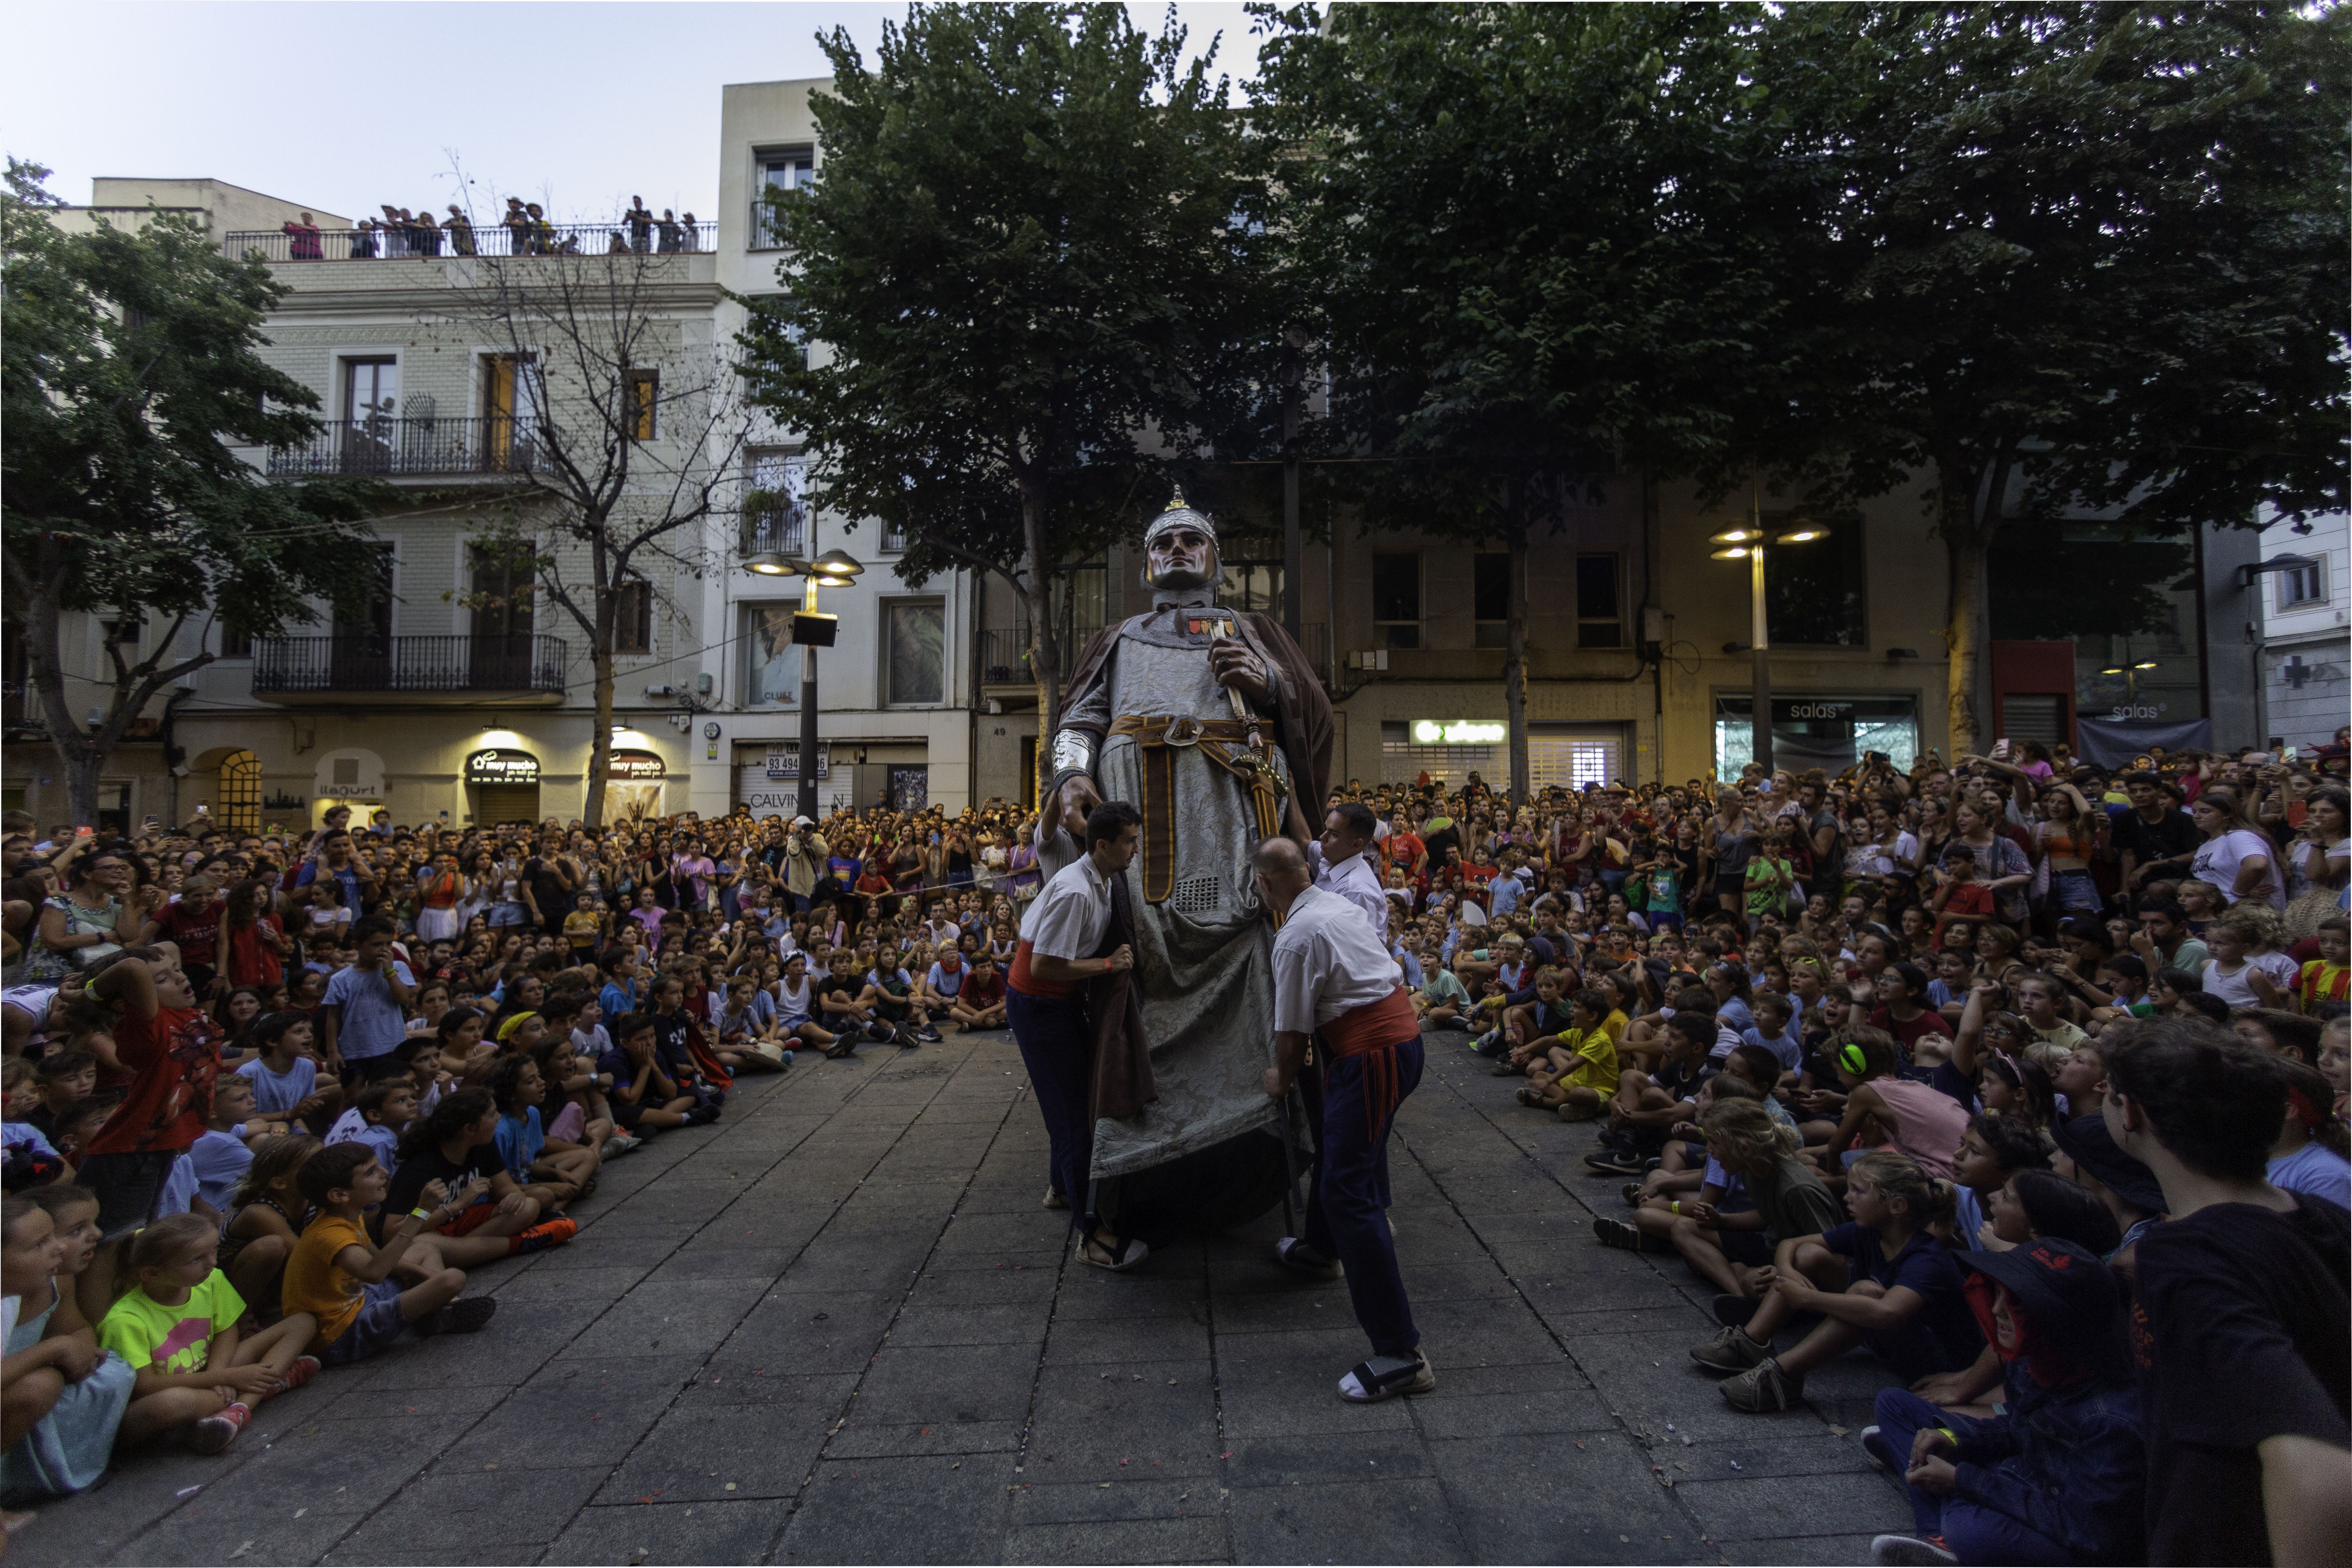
(425, 243)
(412, 447)
(774, 530)
(519, 668)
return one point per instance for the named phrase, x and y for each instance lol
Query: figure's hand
(1078, 798)
(1934, 1474)
(1233, 665)
(1122, 958)
(1275, 1088)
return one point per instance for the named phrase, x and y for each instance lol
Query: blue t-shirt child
(280, 1090)
(1942, 1336)
(520, 1141)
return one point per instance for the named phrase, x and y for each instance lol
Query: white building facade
(2305, 657)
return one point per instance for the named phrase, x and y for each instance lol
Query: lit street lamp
(835, 568)
(1748, 544)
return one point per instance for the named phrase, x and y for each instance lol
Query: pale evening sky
(345, 106)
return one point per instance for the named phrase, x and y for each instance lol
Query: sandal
(1294, 1253)
(1386, 1376)
(1131, 1251)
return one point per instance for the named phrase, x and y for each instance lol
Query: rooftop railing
(426, 243)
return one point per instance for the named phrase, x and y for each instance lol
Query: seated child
(980, 1005)
(457, 1147)
(1676, 1187)
(557, 1176)
(381, 1112)
(1579, 1074)
(177, 1328)
(32, 1159)
(266, 1214)
(645, 1098)
(343, 1282)
(286, 1077)
(2060, 1475)
(63, 1397)
(1885, 1278)
(1647, 1104)
(1444, 1001)
(1521, 1037)
(66, 1078)
(2324, 984)
(221, 1154)
(577, 1113)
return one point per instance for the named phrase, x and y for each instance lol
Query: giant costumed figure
(1210, 723)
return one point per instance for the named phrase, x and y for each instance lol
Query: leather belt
(1231, 745)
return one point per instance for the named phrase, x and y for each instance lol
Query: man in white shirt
(1339, 866)
(1334, 983)
(1045, 1001)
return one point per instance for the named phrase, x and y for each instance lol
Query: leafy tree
(1024, 266)
(129, 372)
(2062, 259)
(1529, 231)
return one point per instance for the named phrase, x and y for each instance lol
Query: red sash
(1374, 1032)
(1374, 1026)
(1025, 981)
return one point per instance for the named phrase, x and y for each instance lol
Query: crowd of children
(2028, 1078)
(255, 1136)
(2066, 1154)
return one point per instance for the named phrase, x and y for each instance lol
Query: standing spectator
(2240, 1326)
(2237, 855)
(365, 1009)
(302, 240)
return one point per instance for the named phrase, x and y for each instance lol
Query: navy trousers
(1348, 1199)
(1058, 1047)
(1973, 1533)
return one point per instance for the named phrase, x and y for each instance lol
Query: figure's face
(1182, 558)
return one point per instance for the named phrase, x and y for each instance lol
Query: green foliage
(2098, 248)
(1023, 270)
(1529, 236)
(130, 374)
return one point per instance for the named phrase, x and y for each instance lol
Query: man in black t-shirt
(2155, 832)
(553, 888)
(2240, 1321)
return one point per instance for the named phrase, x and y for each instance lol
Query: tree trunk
(77, 756)
(1515, 671)
(600, 745)
(1966, 627)
(1037, 592)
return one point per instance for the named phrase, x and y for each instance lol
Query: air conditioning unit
(661, 690)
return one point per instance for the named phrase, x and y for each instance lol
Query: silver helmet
(1179, 513)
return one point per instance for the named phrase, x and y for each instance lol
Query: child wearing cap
(2060, 1475)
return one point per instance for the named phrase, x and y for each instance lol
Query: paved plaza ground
(838, 1327)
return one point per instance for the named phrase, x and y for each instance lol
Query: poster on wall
(774, 673)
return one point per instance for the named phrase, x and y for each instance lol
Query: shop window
(1396, 598)
(915, 647)
(1490, 598)
(1600, 620)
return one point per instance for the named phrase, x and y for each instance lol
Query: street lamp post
(812, 630)
(1748, 544)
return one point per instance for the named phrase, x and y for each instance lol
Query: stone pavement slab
(839, 1327)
